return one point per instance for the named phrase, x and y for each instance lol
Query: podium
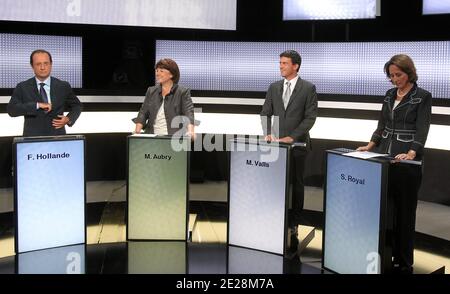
(59, 260)
(49, 192)
(157, 188)
(158, 257)
(258, 195)
(358, 211)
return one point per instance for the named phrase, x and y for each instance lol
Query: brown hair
(40, 51)
(405, 63)
(171, 66)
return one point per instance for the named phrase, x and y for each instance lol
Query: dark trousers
(298, 158)
(404, 184)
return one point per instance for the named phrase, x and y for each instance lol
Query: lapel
(295, 92)
(407, 99)
(280, 96)
(52, 90)
(32, 84)
(389, 99)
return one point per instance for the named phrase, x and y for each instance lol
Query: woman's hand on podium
(368, 147)
(138, 128)
(191, 132)
(192, 135)
(406, 156)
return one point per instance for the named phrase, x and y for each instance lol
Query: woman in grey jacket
(402, 132)
(168, 107)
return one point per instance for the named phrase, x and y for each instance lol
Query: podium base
(299, 239)
(191, 225)
(305, 235)
(439, 271)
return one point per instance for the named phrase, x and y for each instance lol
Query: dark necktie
(43, 93)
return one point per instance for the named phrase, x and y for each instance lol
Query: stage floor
(107, 250)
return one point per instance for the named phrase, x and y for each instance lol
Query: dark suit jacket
(299, 116)
(37, 121)
(406, 128)
(177, 105)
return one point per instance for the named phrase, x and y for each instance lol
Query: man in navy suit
(42, 100)
(294, 102)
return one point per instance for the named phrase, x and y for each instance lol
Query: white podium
(49, 192)
(258, 195)
(358, 214)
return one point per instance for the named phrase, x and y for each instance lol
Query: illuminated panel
(436, 7)
(335, 68)
(328, 9)
(194, 14)
(50, 192)
(15, 50)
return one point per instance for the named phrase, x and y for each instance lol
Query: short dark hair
(40, 51)
(294, 56)
(171, 66)
(405, 63)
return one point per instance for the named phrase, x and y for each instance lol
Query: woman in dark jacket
(402, 132)
(167, 108)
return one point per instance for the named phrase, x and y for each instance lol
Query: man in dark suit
(293, 103)
(42, 100)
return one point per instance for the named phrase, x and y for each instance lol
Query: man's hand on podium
(287, 140)
(269, 138)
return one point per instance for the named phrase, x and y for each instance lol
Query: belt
(399, 131)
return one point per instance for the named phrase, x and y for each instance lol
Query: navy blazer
(406, 127)
(298, 118)
(37, 122)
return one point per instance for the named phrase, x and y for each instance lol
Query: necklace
(399, 93)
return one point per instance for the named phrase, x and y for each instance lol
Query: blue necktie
(43, 93)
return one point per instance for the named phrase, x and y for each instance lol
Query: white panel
(61, 260)
(257, 197)
(436, 6)
(50, 194)
(328, 9)
(345, 129)
(352, 215)
(248, 262)
(194, 14)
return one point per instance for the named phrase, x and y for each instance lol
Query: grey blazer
(178, 108)
(37, 122)
(299, 116)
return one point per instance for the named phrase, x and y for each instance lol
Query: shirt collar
(46, 82)
(292, 81)
(172, 90)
